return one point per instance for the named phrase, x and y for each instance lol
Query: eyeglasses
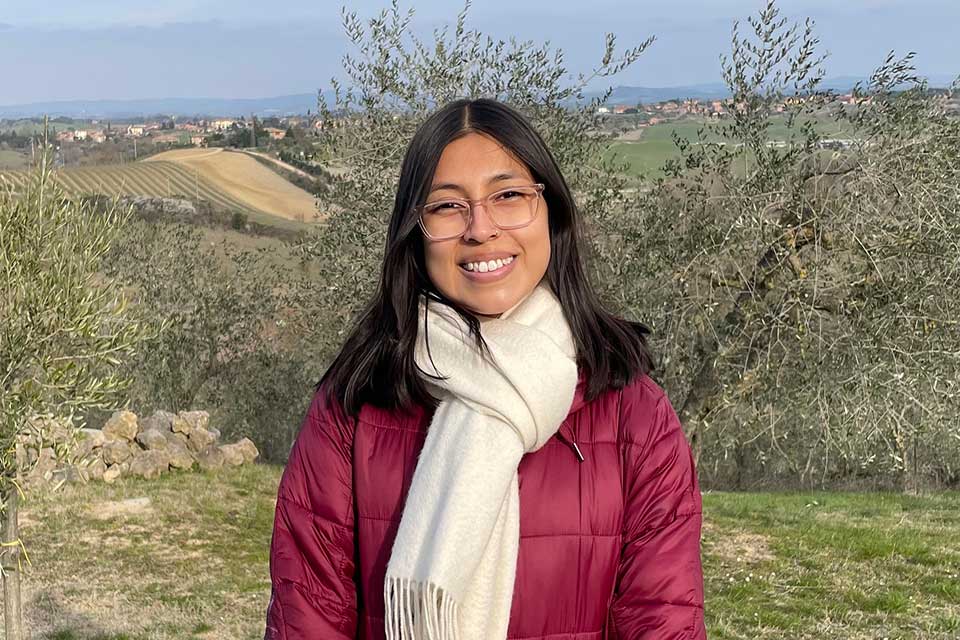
(509, 208)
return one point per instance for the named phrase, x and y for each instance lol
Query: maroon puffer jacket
(609, 545)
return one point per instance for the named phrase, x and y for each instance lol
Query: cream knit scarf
(453, 564)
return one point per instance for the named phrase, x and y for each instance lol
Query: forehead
(474, 158)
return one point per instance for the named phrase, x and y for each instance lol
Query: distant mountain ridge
(717, 90)
(298, 104)
(181, 107)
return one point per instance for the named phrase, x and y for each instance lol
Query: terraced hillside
(245, 180)
(233, 181)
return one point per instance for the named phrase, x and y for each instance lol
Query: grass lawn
(186, 557)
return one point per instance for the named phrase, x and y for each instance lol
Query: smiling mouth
(485, 267)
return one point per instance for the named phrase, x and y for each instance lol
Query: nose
(481, 227)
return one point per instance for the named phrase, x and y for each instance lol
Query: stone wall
(53, 451)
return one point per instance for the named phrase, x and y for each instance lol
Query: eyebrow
(509, 175)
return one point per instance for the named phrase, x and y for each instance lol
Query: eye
(509, 195)
(445, 205)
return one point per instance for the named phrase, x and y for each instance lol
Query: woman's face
(473, 167)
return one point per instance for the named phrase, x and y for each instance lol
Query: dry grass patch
(185, 556)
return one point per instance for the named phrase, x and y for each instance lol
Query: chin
(491, 309)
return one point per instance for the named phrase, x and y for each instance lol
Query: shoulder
(327, 419)
(661, 480)
(318, 473)
(645, 413)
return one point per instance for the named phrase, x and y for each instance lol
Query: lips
(487, 257)
(496, 274)
(487, 263)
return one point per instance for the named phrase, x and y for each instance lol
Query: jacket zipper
(571, 442)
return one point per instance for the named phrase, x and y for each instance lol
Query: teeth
(491, 265)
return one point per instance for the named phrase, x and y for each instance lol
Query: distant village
(180, 131)
(195, 132)
(658, 112)
(166, 132)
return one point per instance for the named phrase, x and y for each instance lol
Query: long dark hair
(376, 362)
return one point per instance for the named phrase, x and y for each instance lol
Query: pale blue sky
(129, 49)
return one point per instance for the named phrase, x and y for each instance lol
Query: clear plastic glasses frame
(488, 202)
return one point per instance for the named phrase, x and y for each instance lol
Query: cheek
(536, 243)
(440, 263)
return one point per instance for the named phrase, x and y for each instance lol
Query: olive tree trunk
(10, 554)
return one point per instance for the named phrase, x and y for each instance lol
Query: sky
(134, 49)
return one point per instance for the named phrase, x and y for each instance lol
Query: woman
(486, 457)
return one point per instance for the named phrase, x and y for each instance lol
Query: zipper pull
(572, 444)
(577, 449)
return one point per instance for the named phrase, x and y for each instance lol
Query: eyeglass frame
(539, 186)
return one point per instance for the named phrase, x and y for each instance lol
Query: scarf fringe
(418, 611)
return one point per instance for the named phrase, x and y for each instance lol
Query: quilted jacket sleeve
(311, 553)
(659, 588)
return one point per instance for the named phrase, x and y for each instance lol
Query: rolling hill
(245, 180)
(233, 181)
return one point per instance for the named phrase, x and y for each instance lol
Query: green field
(26, 126)
(193, 563)
(10, 159)
(647, 155)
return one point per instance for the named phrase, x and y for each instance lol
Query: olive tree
(234, 328)
(805, 299)
(64, 332)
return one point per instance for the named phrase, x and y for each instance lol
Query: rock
(248, 450)
(150, 464)
(90, 439)
(117, 451)
(200, 438)
(176, 438)
(46, 463)
(122, 425)
(211, 458)
(196, 419)
(111, 473)
(56, 451)
(159, 420)
(152, 439)
(95, 469)
(179, 457)
(232, 454)
(68, 473)
(242, 452)
(180, 425)
(96, 437)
